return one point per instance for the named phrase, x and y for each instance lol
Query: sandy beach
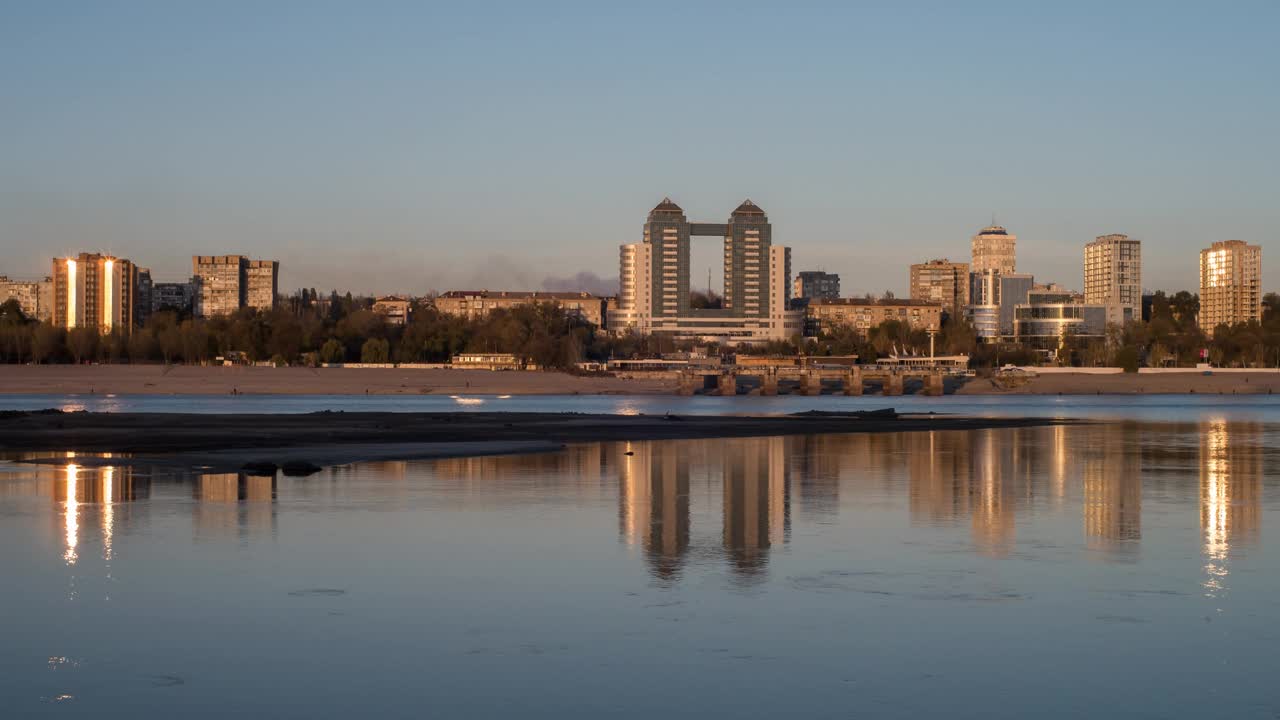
(1233, 383)
(196, 380)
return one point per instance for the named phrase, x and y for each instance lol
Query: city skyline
(135, 132)
(604, 285)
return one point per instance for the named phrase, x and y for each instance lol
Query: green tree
(375, 350)
(82, 343)
(333, 351)
(1127, 357)
(47, 342)
(11, 313)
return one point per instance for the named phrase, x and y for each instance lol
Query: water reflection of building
(940, 469)
(580, 466)
(756, 512)
(84, 494)
(995, 471)
(1230, 494)
(235, 503)
(1113, 490)
(653, 503)
(817, 473)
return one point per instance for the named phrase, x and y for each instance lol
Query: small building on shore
(394, 309)
(490, 361)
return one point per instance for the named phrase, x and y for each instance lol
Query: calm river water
(1112, 569)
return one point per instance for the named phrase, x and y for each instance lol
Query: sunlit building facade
(96, 291)
(994, 248)
(1230, 284)
(1113, 277)
(941, 282)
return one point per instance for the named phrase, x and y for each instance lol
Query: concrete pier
(727, 384)
(769, 383)
(853, 381)
(810, 383)
(933, 385)
(893, 384)
(724, 381)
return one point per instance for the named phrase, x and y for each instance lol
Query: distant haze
(424, 146)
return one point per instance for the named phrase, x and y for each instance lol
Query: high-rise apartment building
(994, 249)
(667, 232)
(143, 291)
(814, 284)
(35, 297)
(941, 282)
(92, 290)
(1113, 277)
(747, 239)
(226, 283)
(1230, 284)
(179, 297)
(780, 290)
(261, 284)
(993, 255)
(654, 279)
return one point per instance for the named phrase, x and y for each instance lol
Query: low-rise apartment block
(395, 309)
(35, 297)
(826, 315)
(474, 304)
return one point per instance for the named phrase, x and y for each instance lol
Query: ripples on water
(1065, 571)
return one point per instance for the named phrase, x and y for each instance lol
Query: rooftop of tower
(666, 206)
(748, 208)
(993, 230)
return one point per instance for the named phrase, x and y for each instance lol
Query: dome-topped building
(994, 248)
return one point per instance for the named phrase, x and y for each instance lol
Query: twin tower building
(653, 295)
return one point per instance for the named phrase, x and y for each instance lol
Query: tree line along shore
(307, 332)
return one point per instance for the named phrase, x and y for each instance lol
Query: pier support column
(933, 384)
(810, 383)
(728, 384)
(685, 385)
(853, 381)
(769, 383)
(893, 384)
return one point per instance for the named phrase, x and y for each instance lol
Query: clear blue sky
(410, 146)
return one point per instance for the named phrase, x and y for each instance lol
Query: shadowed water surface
(1262, 408)
(1109, 569)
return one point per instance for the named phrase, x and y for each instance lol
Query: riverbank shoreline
(196, 440)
